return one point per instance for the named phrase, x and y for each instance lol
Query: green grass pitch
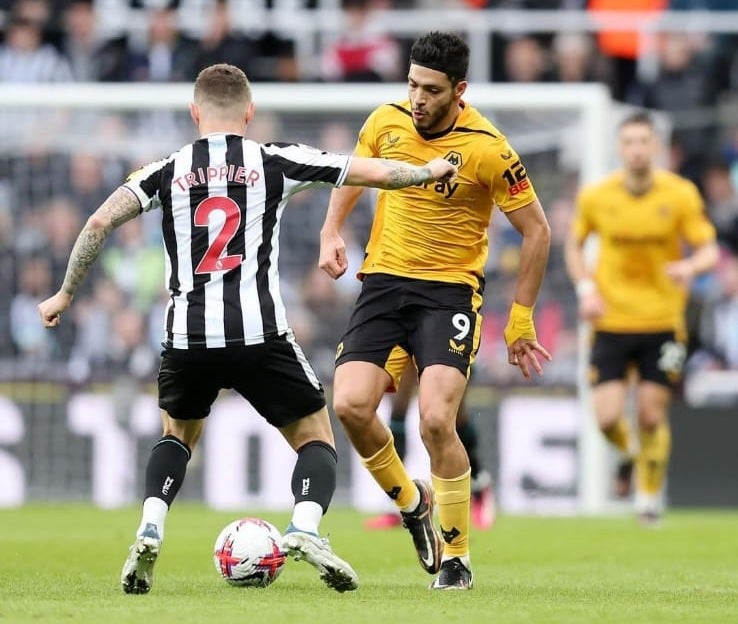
(61, 563)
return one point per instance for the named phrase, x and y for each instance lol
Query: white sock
(645, 502)
(154, 512)
(306, 516)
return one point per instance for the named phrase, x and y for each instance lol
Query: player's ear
(250, 109)
(460, 88)
(195, 113)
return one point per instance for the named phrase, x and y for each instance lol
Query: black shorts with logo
(275, 377)
(657, 357)
(398, 317)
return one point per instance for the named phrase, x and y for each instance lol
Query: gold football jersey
(438, 230)
(638, 236)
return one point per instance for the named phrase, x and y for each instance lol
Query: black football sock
(397, 427)
(468, 435)
(166, 469)
(314, 476)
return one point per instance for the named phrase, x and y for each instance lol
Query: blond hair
(222, 87)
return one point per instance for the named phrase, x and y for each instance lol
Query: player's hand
(332, 254)
(591, 306)
(524, 354)
(680, 271)
(51, 309)
(442, 170)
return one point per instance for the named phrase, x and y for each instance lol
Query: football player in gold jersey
(422, 291)
(635, 298)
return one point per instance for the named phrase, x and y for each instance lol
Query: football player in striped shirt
(221, 199)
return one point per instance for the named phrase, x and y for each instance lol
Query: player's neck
(638, 183)
(221, 128)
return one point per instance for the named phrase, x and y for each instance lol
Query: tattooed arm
(395, 174)
(121, 206)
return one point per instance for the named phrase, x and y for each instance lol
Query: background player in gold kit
(636, 298)
(422, 291)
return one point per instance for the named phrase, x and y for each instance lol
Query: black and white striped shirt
(222, 199)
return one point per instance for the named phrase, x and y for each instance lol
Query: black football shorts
(657, 357)
(275, 377)
(398, 318)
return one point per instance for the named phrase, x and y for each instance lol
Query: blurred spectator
(135, 266)
(24, 57)
(575, 58)
(322, 299)
(362, 53)
(93, 316)
(526, 61)
(91, 57)
(220, 44)
(30, 339)
(87, 186)
(719, 323)
(681, 86)
(624, 47)
(165, 55)
(61, 224)
(7, 271)
(112, 339)
(723, 66)
(721, 198)
(276, 59)
(128, 352)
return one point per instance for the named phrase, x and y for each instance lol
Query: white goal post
(590, 103)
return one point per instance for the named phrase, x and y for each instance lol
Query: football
(248, 553)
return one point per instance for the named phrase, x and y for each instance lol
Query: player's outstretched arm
(332, 246)
(121, 206)
(523, 348)
(396, 174)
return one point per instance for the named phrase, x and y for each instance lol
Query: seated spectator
(91, 57)
(24, 57)
(623, 47)
(220, 44)
(526, 61)
(721, 197)
(719, 323)
(362, 53)
(165, 55)
(575, 58)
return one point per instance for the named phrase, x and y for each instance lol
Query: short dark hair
(444, 52)
(639, 117)
(222, 85)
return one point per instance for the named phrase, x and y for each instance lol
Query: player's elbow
(98, 222)
(539, 232)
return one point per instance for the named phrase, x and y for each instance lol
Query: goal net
(79, 406)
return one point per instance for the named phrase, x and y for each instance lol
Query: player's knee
(186, 431)
(353, 409)
(437, 426)
(650, 419)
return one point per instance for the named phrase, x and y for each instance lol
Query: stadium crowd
(48, 189)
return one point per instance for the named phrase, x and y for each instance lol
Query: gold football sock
(619, 435)
(653, 458)
(388, 471)
(453, 497)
